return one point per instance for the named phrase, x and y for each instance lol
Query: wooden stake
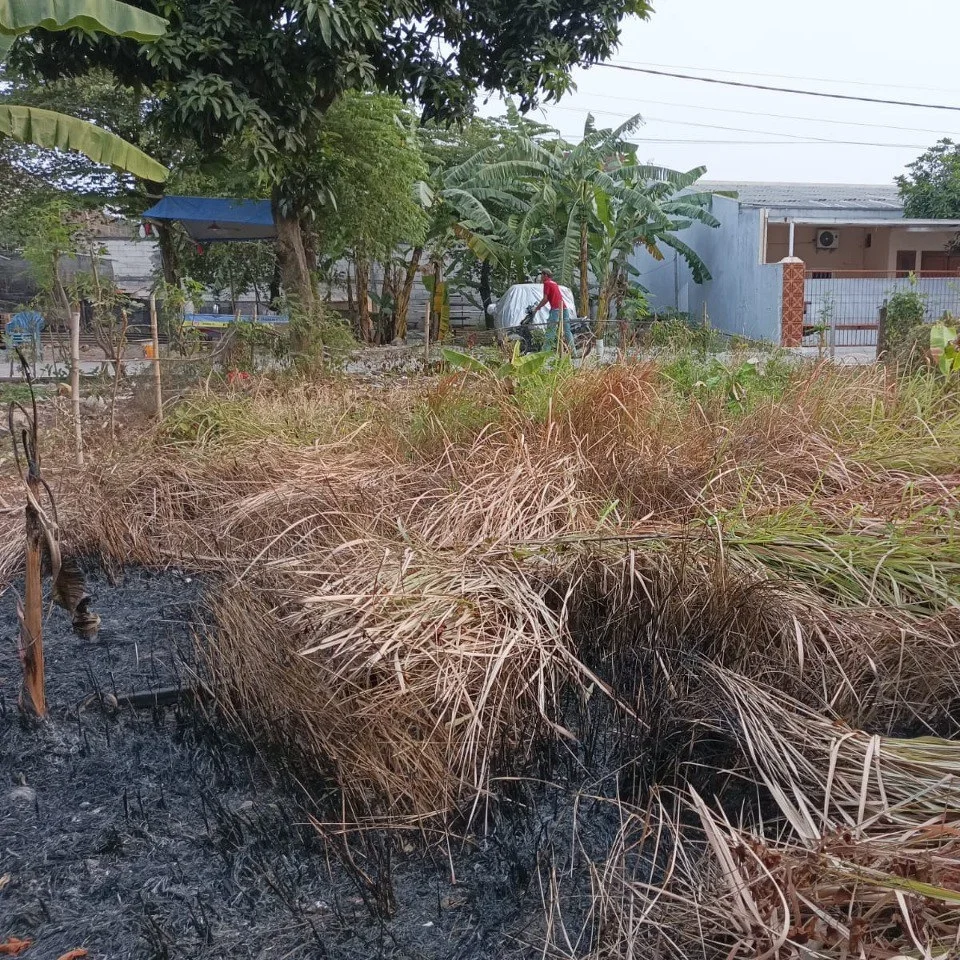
(155, 336)
(75, 384)
(32, 629)
(27, 460)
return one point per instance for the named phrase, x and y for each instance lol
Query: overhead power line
(760, 86)
(787, 76)
(806, 138)
(577, 137)
(749, 113)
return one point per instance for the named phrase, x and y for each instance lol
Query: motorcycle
(580, 329)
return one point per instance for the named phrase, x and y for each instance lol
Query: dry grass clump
(413, 677)
(718, 889)
(863, 860)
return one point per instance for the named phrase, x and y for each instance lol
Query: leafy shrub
(945, 345)
(679, 334)
(903, 311)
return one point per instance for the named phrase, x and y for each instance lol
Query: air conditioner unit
(828, 239)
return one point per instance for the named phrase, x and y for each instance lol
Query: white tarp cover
(512, 306)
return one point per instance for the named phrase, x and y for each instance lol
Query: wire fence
(844, 308)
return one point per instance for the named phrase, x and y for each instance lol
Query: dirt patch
(157, 834)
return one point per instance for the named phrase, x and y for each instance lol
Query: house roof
(810, 196)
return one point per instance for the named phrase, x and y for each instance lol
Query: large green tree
(273, 68)
(931, 187)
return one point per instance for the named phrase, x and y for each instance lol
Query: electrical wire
(576, 138)
(773, 133)
(759, 86)
(748, 113)
(785, 76)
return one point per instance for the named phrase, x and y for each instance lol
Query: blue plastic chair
(22, 329)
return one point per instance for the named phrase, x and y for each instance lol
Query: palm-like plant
(578, 181)
(593, 204)
(470, 206)
(647, 208)
(48, 129)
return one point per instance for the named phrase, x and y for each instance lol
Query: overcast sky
(887, 49)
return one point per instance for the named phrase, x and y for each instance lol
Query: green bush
(903, 311)
(677, 333)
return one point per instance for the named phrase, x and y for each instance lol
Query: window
(822, 275)
(906, 262)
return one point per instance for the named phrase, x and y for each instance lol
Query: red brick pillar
(791, 316)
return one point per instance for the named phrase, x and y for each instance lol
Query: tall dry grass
(711, 608)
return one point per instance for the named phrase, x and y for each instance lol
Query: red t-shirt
(551, 290)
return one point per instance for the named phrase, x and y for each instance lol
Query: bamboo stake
(155, 336)
(75, 384)
(117, 371)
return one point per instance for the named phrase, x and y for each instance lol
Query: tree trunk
(294, 265)
(275, 282)
(486, 292)
(310, 249)
(385, 317)
(362, 269)
(584, 271)
(406, 290)
(436, 301)
(603, 303)
(169, 261)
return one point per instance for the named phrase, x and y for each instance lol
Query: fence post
(155, 337)
(791, 316)
(75, 385)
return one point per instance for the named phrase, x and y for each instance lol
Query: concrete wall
(744, 296)
(136, 264)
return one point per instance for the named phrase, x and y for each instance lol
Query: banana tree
(468, 206)
(48, 129)
(51, 130)
(578, 179)
(646, 208)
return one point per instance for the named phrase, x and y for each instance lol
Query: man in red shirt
(558, 312)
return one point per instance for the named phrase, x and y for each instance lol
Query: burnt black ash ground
(158, 834)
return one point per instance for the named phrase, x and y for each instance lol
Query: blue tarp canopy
(212, 218)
